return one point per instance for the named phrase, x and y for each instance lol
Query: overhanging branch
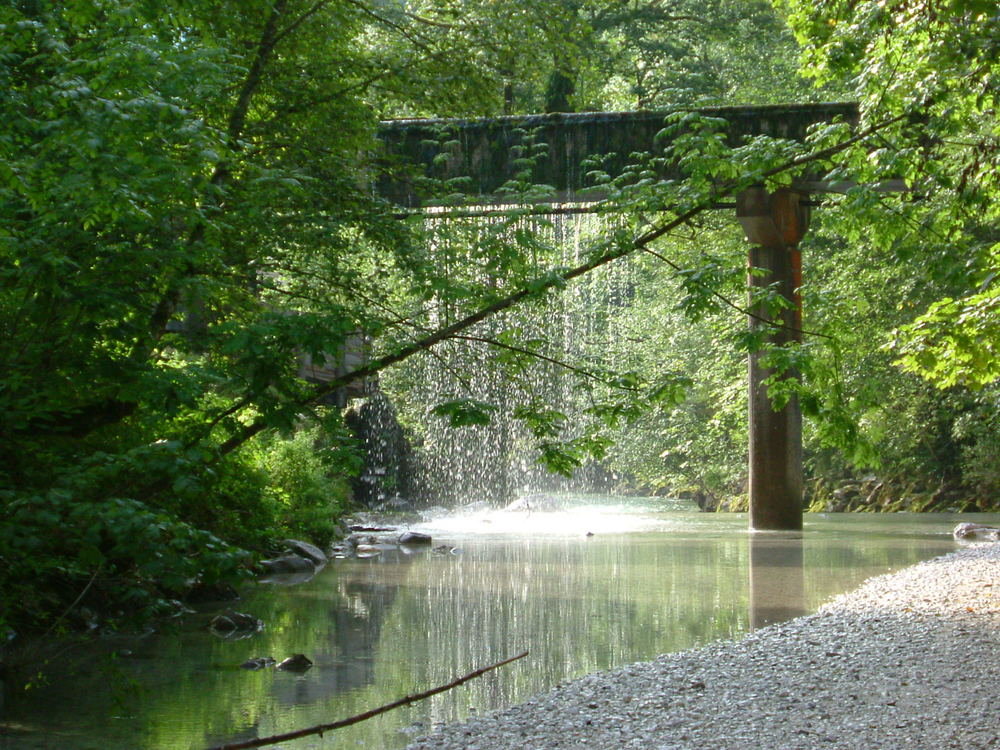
(544, 284)
(275, 739)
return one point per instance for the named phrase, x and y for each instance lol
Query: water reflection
(385, 627)
(777, 578)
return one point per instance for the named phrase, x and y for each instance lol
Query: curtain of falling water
(495, 463)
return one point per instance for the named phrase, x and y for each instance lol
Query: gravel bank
(909, 660)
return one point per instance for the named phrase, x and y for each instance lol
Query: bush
(118, 537)
(306, 488)
(120, 555)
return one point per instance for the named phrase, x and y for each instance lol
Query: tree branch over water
(560, 277)
(538, 355)
(726, 301)
(406, 700)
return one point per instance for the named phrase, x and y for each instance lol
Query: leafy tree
(935, 63)
(185, 214)
(183, 220)
(647, 55)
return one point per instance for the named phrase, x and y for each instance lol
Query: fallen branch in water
(319, 729)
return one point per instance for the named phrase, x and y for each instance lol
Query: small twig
(542, 357)
(298, 21)
(275, 739)
(429, 21)
(736, 307)
(206, 429)
(465, 382)
(76, 601)
(414, 39)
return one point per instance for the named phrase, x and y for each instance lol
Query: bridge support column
(775, 223)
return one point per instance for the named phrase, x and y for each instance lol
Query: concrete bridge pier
(775, 223)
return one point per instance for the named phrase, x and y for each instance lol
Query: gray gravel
(909, 660)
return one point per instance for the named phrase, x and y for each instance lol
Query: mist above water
(560, 515)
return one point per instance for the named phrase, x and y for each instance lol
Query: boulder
(233, 624)
(288, 570)
(288, 564)
(976, 532)
(343, 549)
(295, 663)
(307, 550)
(414, 538)
(258, 662)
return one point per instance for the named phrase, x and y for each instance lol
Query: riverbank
(906, 660)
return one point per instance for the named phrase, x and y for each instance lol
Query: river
(600, 583)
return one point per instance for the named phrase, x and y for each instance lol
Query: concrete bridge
(487, 153)
(477, 157)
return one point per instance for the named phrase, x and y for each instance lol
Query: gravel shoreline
(908, 660)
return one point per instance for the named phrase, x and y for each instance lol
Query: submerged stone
(295, 663)
(258, 663)
(288, 564)
(414, 538)
(976, 531)
(235, 624)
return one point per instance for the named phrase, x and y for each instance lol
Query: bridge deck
(487, 151)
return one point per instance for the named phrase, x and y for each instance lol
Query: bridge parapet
(488, 153)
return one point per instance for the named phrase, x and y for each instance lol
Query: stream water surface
(599, 583)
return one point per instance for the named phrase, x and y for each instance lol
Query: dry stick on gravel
(319, 729)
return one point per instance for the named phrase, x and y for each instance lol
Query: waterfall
(496, 462)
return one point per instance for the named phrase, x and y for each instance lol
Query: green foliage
(935, 66)
(183, 224)
(126, 558)
(955, 342)
(306, 488)
(464, 412)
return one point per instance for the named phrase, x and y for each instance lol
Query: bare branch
(319, 729)
(420, 44)
(298, 21)
(736, 307)
(544, 358)
(429, 21)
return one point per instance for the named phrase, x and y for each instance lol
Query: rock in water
(976, 531)
(288, 564)
(307, 550)
(415, 538)
(235, 624)
(295, 663)
(258, 662)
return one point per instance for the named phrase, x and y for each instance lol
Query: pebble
(908, 660)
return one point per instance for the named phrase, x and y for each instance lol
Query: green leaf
(465, 412)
